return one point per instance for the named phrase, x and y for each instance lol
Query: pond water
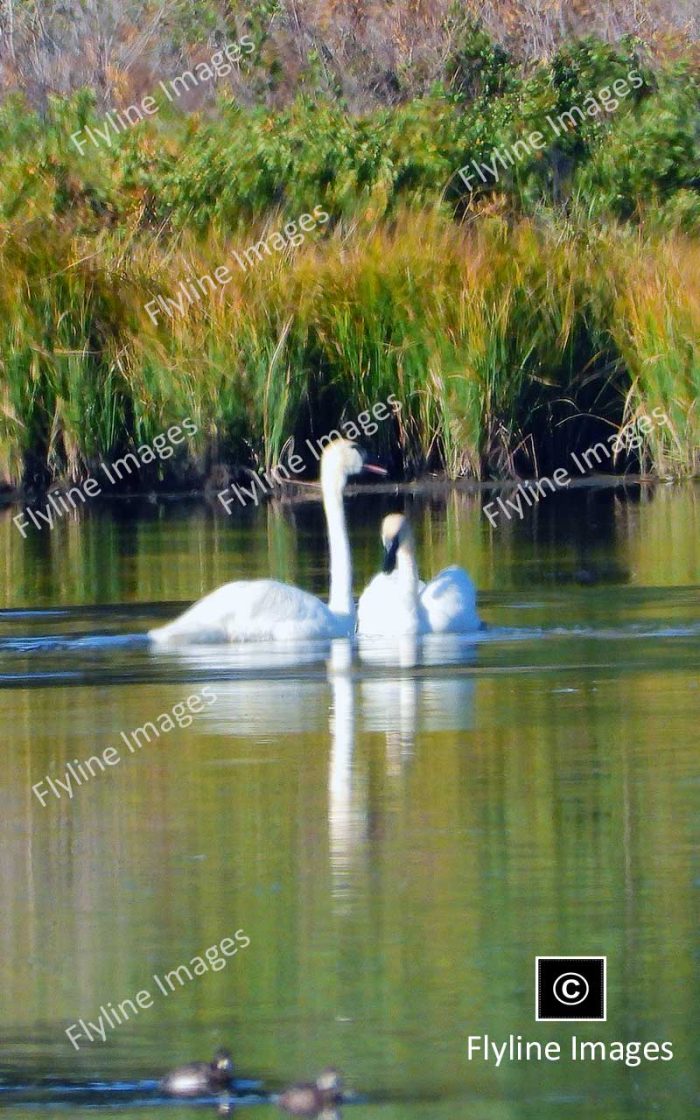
(398, 832)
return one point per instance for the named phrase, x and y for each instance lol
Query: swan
(397, 602)
(268, 610)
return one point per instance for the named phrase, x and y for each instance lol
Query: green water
(398, 842)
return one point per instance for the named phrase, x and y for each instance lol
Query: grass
(515, 324)
(497, 338)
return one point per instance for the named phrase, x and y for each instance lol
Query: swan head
(341, 459)
(396, 533)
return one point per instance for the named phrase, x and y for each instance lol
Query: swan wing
(253, 610)
(449, 601)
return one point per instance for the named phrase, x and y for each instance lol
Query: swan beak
(390, 551)
(367, 465)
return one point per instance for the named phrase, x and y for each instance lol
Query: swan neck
(340, 599)
(407, 567)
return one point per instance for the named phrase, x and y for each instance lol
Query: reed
(481, 331)
(656, 326)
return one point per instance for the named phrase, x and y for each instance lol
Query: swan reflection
(413, 693)
(401, 689)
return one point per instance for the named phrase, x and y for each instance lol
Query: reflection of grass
(478, 331)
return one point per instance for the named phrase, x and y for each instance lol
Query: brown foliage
(370, 51)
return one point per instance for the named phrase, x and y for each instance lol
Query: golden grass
(474, 328)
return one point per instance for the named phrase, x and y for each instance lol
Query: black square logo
(570, 989)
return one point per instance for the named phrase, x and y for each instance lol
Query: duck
(396, 602)
(313, 1098)
(268, 610)
(199, 1079)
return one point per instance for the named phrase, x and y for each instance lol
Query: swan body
(449, 602)
(397, 602)
(267, 610)
(385, 611)
(390, 606)
(255, 610)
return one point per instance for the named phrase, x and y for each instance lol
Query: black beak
(390, 551)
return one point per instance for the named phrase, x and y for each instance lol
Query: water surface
(399, 832)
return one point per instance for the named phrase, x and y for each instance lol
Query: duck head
(222, 1063)
(329, 1083)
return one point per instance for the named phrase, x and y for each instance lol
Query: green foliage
(570, 279)
(228, 169)
(588, 64)
(652, 156)
(477, 66)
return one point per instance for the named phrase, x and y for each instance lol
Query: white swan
(268, 610)
(396, 602)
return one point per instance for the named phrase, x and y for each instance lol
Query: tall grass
(494, 337)
(511, 322)
(656, 326)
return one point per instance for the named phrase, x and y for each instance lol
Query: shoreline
(299, 492)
